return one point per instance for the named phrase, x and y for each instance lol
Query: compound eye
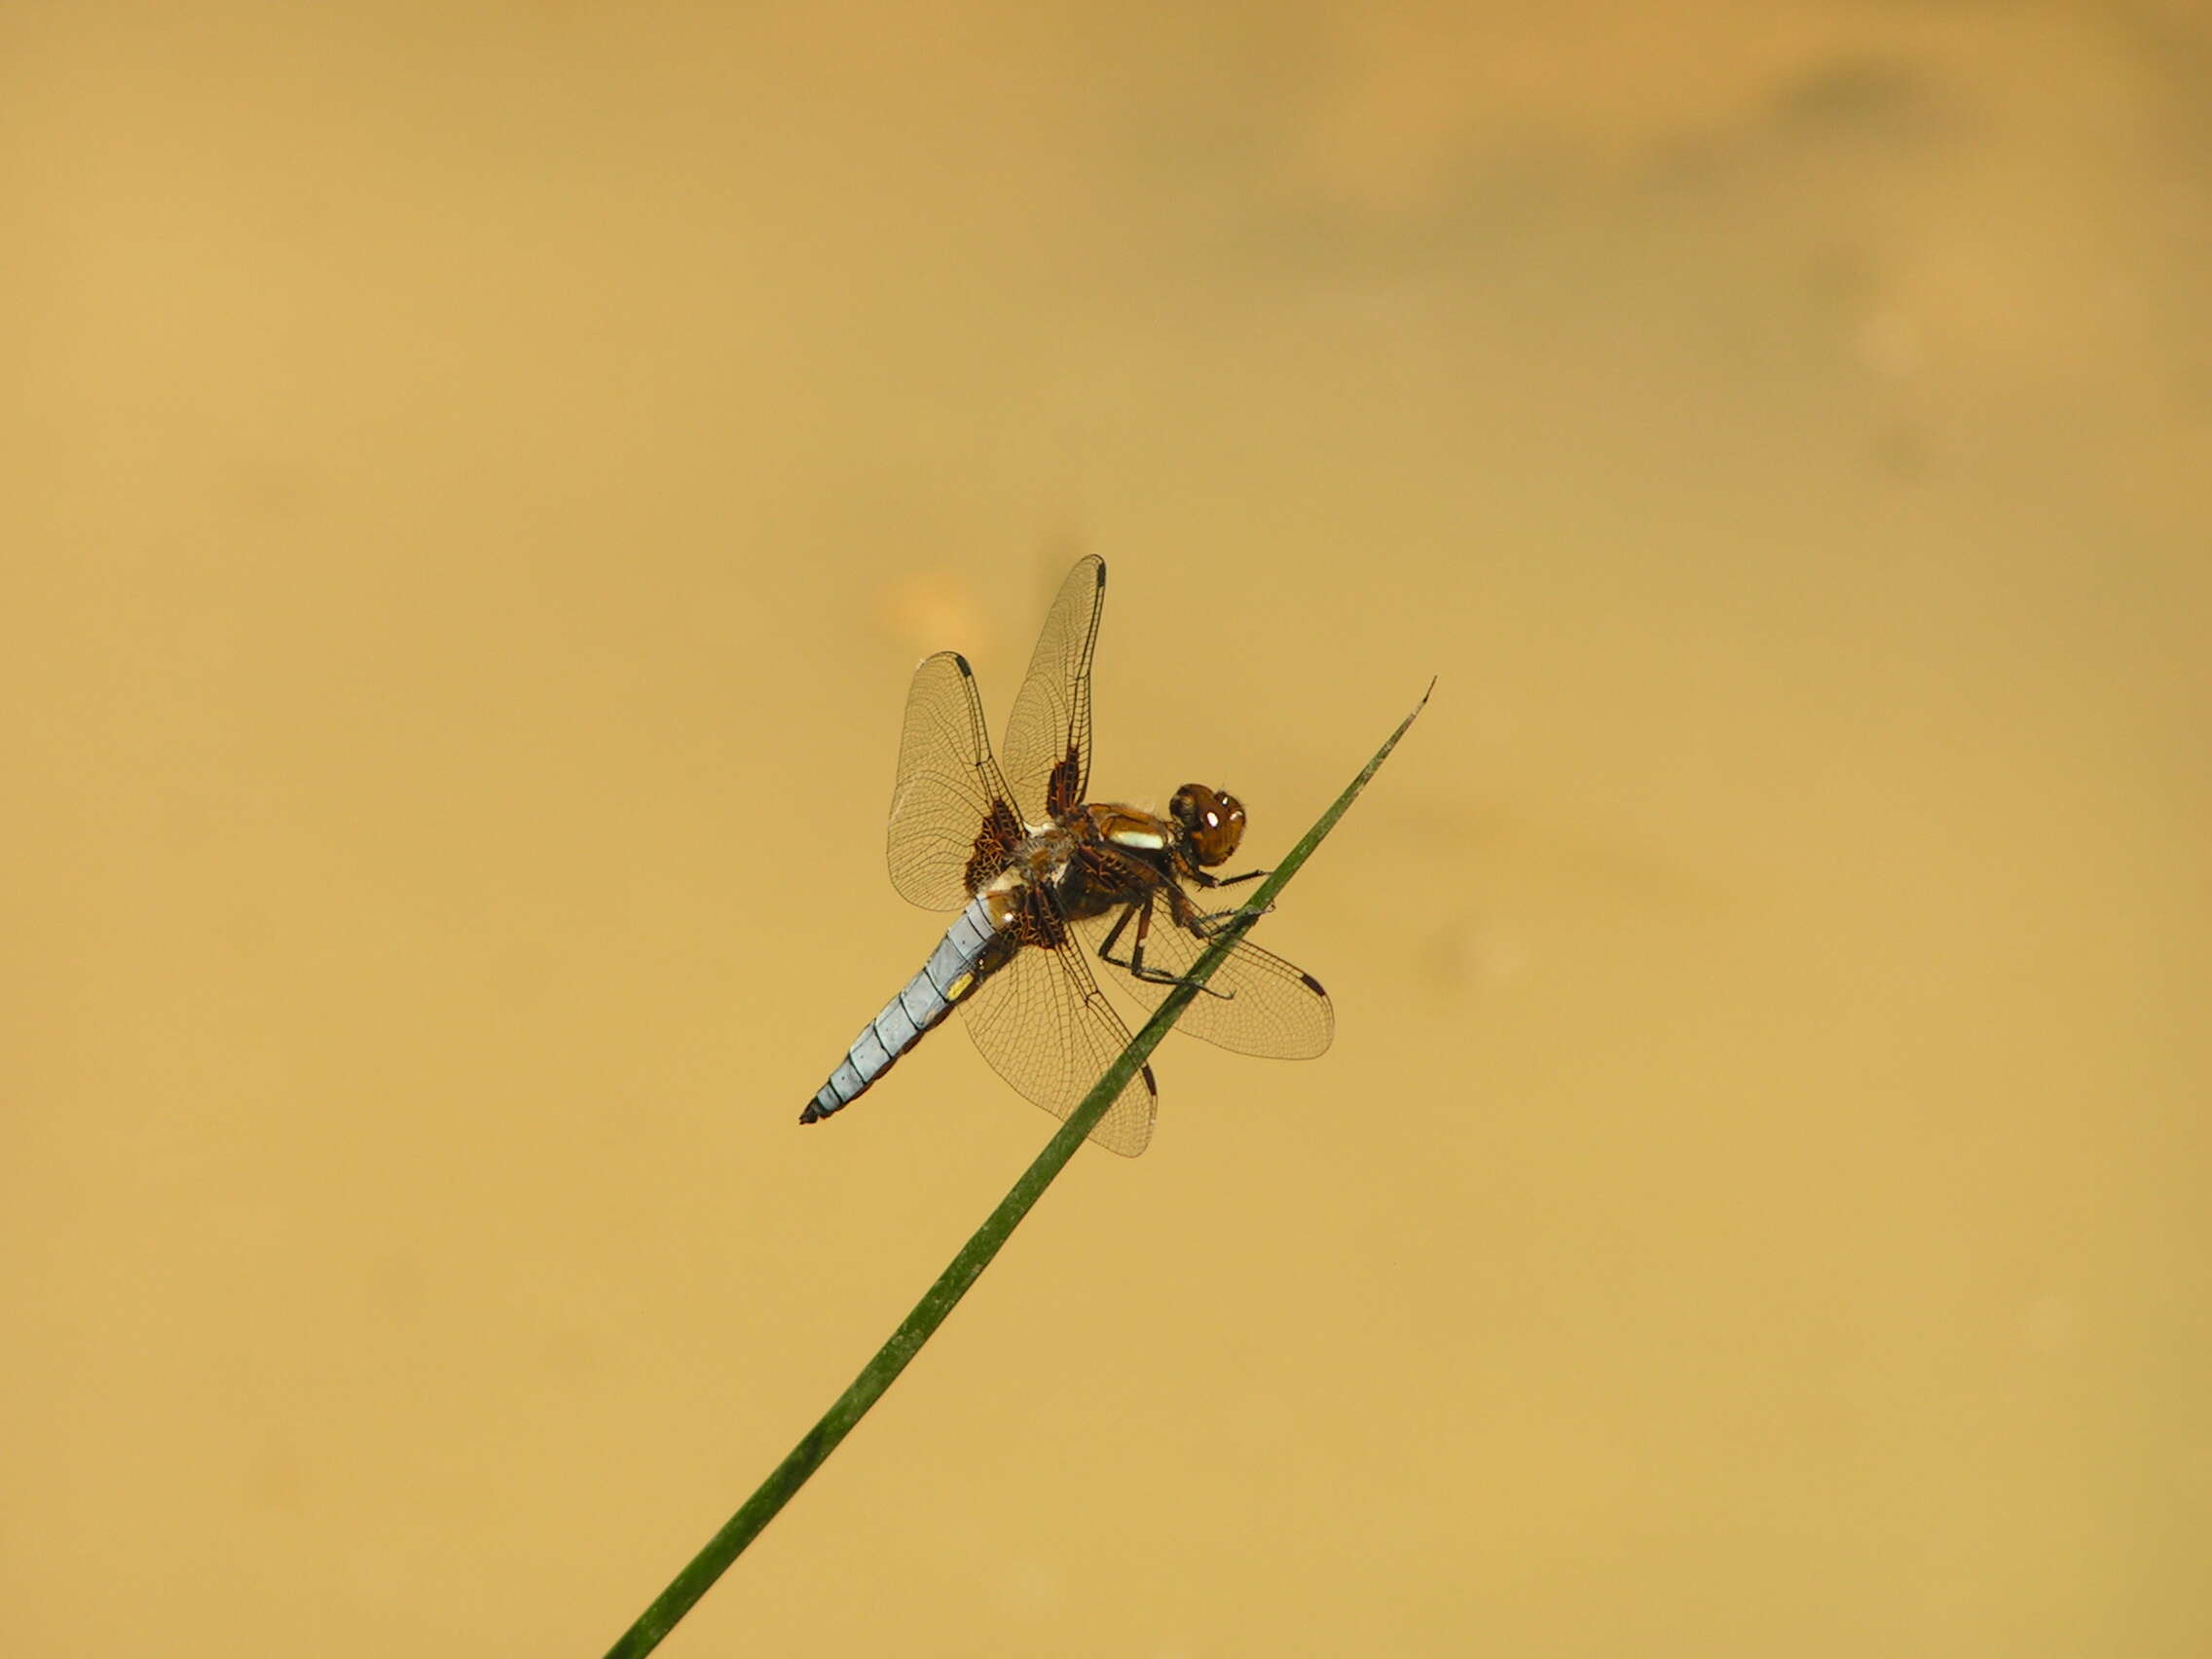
(1214, 822)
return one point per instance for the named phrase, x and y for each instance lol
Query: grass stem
(726, 1545)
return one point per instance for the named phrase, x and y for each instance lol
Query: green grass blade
(726, 1545)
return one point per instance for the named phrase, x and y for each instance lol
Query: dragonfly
(1048, 883)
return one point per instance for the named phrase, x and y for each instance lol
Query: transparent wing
(1048, 738)
(950, 814)
(1046, 1027)
(1269, 1008)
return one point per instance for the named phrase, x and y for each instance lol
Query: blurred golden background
(478, 480)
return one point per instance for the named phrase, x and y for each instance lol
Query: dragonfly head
(1212, 821)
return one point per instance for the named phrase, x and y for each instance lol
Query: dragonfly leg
(1205, 878)
(1134, 966)
(1213, 921)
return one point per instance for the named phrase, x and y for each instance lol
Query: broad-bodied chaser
(1044, 882)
